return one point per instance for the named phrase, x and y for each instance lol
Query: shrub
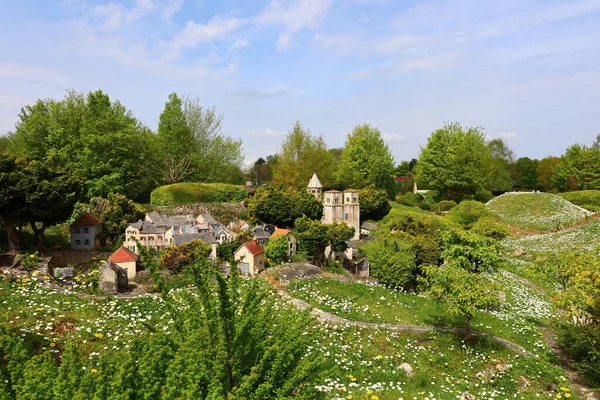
(490, 227)
(443, 206)
(404, 201)
(470, 251)
(425, 206)
(189, 193)
(588, 199)
(483, 196)
(392, 260)
(581, 342)
(467, 213)
(281, 207)
(374, 204)
(176, 257)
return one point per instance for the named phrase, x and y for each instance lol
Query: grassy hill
(588, 199)
(189, 193)
(536, 211)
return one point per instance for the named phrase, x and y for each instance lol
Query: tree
(526, 172)
(393, 260)
(276, 249)
(302, 155)
(281, 207)
(175, 258)
(366, 160)
(471, 251)
(116, 212)
(500, 179)
(314, 237)
(374, 204)
(545, 170)
(455, 161)
(463, 293)
(580, 162)
(90, 136)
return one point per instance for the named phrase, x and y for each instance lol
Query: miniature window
(347, 199)
(87, 241)
(86, 230)
(77, 230)
(346, 216)
(78, 242)
(328, 200)
(354, 199)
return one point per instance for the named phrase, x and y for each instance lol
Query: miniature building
(314, 187)
(125, 259)
(86, 232)
(292, 241)
(250, 258)
(113, 279)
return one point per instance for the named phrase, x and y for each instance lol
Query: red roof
(281, 231)
(123, 254)
(86, 220)
(254, 248)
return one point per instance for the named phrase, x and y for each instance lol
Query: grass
(536, 211)
(402, 207)
(525, 309)
(588, 199)
(584, 237)
(361, 363)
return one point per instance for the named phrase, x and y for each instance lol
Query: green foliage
(225, 250)
(456, 162)
(578, 169)
(490, 227)
(314, 237)
(588, 199)
(471, 251)
(300, 157)
(374, 204)
(115, 211)
(483, 196)
(276, 249)
(393, 260)
(175, 258)
(366, 160)
(545, 171)
(500, 179)
(526, 172)
(582, 344)
(190, 193)
(90, 136)
(281, 207)
(462, 292)
(443, 206)
(425, 206)
(467, 213)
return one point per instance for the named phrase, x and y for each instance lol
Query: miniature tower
(314, 187)
(342, 207)
(352, 211)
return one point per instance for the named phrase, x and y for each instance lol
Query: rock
(466, 396)
(518, 253)
(297, 271)
(523, 383)
(407, 369)
(502, 297)
(66, 272)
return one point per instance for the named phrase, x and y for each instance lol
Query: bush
(392, 260)
(404, 201)
(581, 342)
(588, 199)
(483, 196)
(189, 193)
(467, 213)
(425, 206)
(490, 227)
(374, 204)
(470, 251)
(443, 206)
(176, 257)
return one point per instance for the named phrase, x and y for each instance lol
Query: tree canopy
(281, 206)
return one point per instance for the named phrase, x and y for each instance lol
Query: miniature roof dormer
(314, 182)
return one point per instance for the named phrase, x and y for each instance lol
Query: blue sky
(527, 71)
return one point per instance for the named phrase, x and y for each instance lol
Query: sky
(527, 71)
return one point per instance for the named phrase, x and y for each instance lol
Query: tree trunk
(39, 233)
(468, 332)
(14, 236)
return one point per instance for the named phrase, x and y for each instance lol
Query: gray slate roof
(314, 182)
(261, 233)
(169, 221)
(182, 238)
(208, 218)
(148, 227)
(370, 226)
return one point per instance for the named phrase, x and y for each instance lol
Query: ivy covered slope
(536, 211)
(190, 193)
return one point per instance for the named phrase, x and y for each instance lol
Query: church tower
(315, 188)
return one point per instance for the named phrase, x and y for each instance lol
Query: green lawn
(536, 211)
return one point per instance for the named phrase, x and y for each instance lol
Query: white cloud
(441, 61)
(293, 15)
(265, 132)
(239, 43)
(217, 28)
(354, 43)
(170, 8)
(508, 135)
(393, 137)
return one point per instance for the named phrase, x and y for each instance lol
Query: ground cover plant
(536, 211)
(588, 199)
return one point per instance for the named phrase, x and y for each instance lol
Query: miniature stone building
(112, 279)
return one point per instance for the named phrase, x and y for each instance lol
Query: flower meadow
(357, 363)
(540, 211)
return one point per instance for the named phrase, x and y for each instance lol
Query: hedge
(588, 199)
(190, 193)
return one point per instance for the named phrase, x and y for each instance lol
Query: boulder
(408, 370)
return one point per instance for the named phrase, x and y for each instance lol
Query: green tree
(500, 179)
(471, 251)
(314, 237)
(276, 249)
(302, 155)
(545, 170)
(374, 204)
(175, 258)
(462, 292)
(467, 213)
(455, 161)
(281, 207)
(583, 164)
(4, 143)
(366, 160)
(393, 260)
(526, 172)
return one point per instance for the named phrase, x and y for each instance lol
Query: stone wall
(62, 258)
(223, 212)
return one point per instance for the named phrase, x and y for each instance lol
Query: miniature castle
(337, 206)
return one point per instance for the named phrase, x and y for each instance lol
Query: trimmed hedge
(190, 193)
(588, 199)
